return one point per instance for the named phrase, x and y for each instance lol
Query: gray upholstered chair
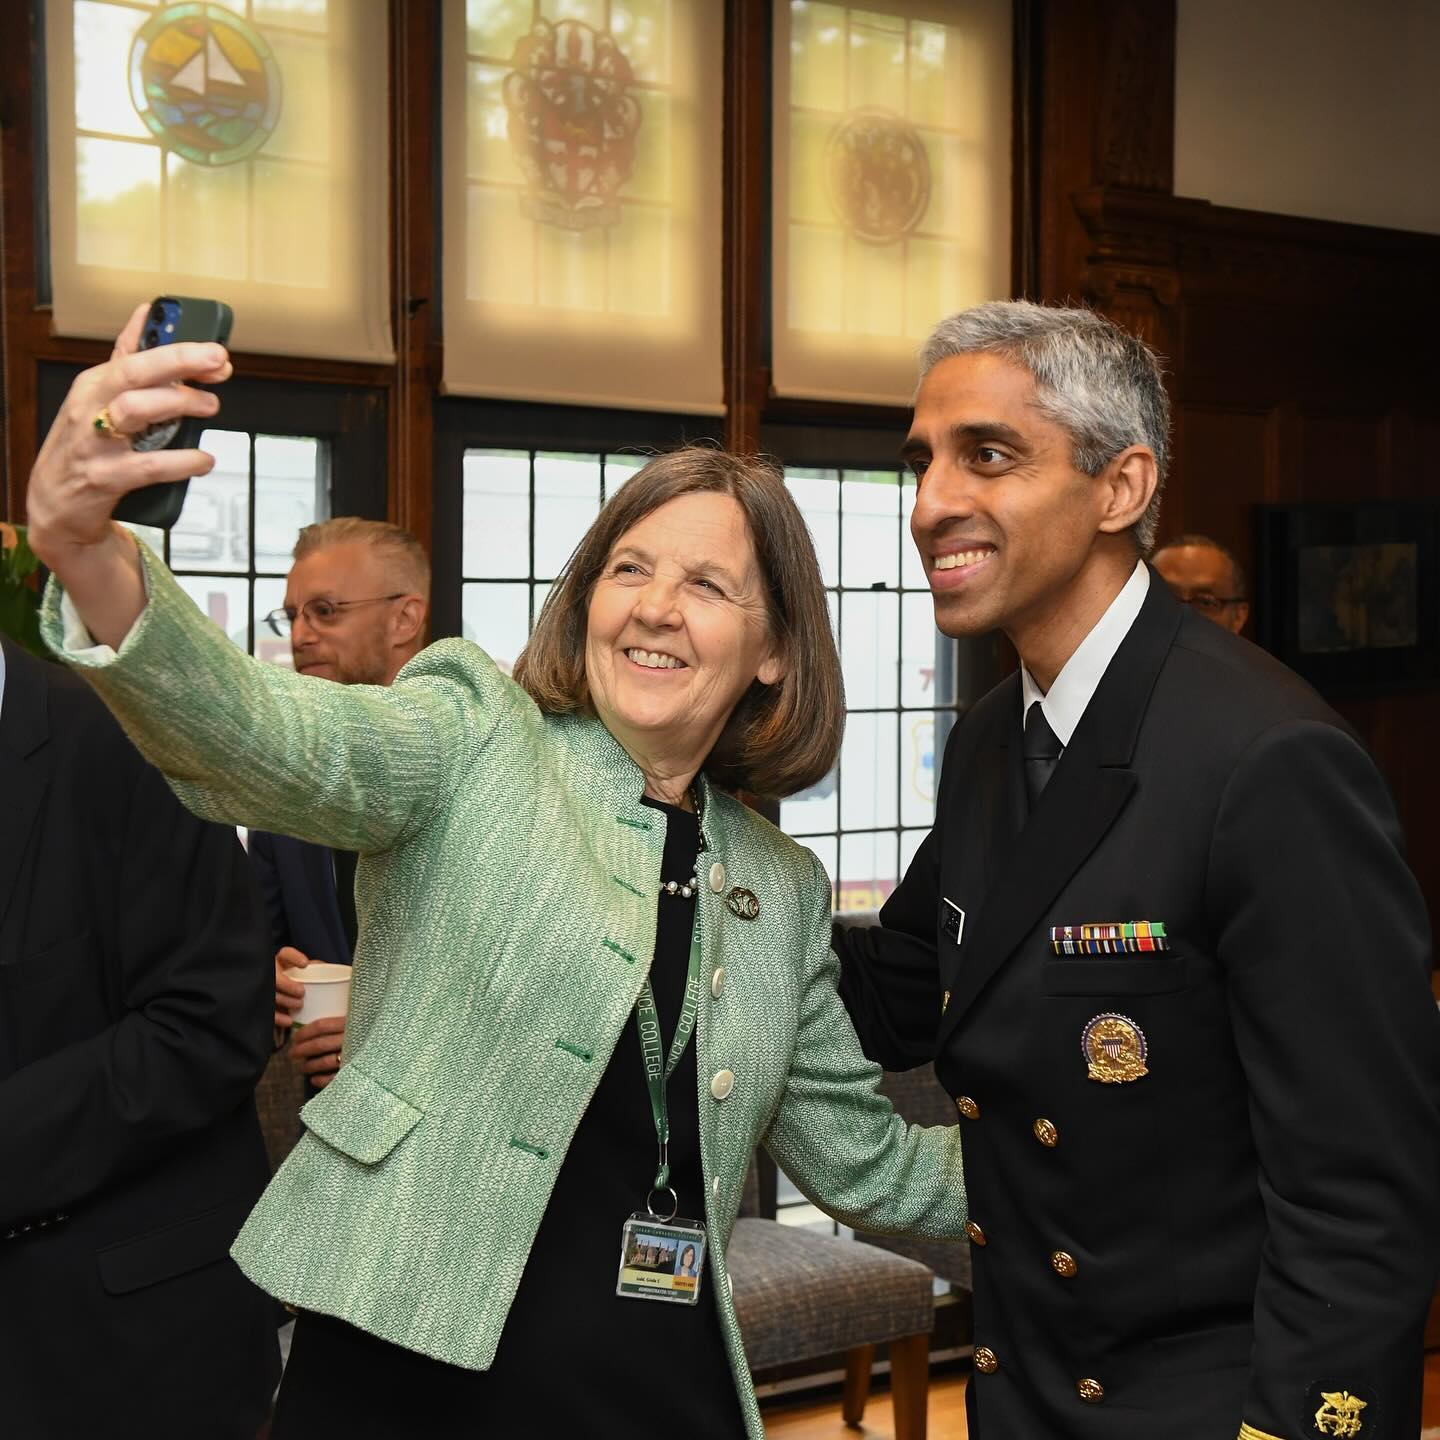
(801, 1296)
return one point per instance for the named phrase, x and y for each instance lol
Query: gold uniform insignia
(1340, 1414)
(944, 1002)
(1114, 1048)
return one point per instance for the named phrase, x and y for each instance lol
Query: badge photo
(661, 1259)
(952, 921)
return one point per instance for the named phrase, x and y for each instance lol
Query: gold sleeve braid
(1249, 1432)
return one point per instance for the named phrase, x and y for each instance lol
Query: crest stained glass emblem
(573, 122)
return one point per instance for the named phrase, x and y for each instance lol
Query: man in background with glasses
(356, 603)
(1207, 576)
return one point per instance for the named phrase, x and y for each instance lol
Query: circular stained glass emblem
(205, 82)
(878, 175)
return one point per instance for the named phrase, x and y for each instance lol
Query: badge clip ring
(674, 1205)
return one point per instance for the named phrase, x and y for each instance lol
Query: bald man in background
(1207, 576)
(356, 603)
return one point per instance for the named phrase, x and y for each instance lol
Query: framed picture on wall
(1349, 595)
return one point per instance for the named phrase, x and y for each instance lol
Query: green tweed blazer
(479, 1027)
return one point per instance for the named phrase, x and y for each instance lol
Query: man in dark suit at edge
(134, 1024)
(356, 602)
(1162, 945)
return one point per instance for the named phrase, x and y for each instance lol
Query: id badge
(661, 1259)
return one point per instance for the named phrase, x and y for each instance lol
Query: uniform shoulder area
(73, 705)
(75, 719)
(1243, 689)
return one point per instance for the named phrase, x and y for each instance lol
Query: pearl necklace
(684, 889)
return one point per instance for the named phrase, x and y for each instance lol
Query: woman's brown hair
(781, 738)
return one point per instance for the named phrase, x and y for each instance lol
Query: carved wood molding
(1206, 248)
(1134, 139)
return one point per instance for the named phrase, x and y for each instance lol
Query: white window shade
(237, 151)
(892, 125)
(582, 201)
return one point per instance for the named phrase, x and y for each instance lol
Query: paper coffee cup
(327, 990)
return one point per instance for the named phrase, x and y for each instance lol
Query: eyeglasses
(1211, 604)
(320, 613)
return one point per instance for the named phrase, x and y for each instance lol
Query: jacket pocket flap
(357, 1115)
(176, 1250)
(1137, 975)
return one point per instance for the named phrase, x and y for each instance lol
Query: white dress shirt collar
(1064, 703)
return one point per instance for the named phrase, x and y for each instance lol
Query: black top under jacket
(571, 1348)
(1251, 1226)
(136, 988)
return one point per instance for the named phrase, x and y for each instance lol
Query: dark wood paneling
(746, 284)
(1298, 350)
(414, 262)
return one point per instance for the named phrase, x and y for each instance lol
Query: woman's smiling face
(678, 628)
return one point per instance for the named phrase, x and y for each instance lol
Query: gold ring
(107, 427)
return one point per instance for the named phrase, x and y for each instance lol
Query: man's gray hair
(1099, 382)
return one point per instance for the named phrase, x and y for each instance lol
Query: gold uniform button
(976, 1234)
(1090, 1391)
(1047, 1134)
(1063, 1264)
(967, 1107)
(985, 1361)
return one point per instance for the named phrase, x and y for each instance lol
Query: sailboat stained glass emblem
(205, 82)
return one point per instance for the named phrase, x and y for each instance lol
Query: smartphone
(172, 318)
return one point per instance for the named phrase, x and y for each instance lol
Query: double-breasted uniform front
(1182, 1004)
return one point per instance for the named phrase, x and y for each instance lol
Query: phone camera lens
(152, 336)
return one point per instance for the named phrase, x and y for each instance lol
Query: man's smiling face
(1003, 521)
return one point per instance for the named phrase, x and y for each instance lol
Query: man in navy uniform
(1162, 945)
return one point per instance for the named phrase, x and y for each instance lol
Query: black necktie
(1042, 750)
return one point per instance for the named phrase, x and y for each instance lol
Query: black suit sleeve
(267, 877)
(190, 975)
(889, 975)
(1323, 936)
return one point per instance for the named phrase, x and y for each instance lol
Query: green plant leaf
(19, 602)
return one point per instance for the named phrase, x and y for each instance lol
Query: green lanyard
(658, 1070)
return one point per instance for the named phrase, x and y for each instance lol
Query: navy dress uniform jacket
(135, 999)
(1215, 1246)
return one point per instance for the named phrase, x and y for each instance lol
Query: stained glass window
(229, 149)
(892, 185)
(582, 201)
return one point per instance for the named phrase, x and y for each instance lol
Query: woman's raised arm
(246, 743)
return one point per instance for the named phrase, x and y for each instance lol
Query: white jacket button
(717, 877)
(717, 982)
(722, 1084)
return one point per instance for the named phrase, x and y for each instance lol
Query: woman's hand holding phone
(87, 465)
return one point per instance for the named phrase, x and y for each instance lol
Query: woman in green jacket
(588, 981)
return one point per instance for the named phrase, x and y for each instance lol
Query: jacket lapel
(24, 730)
(1089, 789)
